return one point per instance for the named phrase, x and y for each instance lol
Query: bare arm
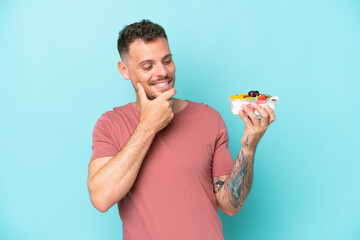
(111, 178)
(232, 190)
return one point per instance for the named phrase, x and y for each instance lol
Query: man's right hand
(156, 114)
(111, 178)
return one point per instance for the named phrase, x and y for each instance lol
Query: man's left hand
(255, 127)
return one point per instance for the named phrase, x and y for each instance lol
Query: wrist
(146, 128)
(248, 151)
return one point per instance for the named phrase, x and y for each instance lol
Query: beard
(150, 96)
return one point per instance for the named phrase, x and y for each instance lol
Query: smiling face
(151, 64)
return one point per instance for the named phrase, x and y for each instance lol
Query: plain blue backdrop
(58, 75)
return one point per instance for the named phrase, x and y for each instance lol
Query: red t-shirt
(172, 197)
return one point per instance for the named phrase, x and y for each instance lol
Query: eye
(167, 61)
(147, 66)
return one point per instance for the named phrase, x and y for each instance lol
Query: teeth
(161, 84)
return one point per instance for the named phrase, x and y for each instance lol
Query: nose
(161, 70)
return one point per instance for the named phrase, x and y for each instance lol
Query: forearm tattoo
(247, 141)
(240, 181)
(218, 183)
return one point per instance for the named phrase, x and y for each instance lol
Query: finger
(246, 120)
(271, 113)
(264, 116)
(168, 94)
(141, 92)
(254, 119)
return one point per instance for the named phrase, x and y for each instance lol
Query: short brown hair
(144, 30)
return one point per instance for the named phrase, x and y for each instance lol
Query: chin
(151, 97)
(157, 91)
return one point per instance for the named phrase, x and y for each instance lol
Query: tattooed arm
(232, 190)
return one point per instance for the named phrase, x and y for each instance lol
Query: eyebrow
(149, 60)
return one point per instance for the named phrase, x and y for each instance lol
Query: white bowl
(237, 103)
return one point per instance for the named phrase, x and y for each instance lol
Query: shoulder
(118, 113)
(204, 115)
(207, 117)
(205, 109)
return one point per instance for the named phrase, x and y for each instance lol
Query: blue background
(58, 75)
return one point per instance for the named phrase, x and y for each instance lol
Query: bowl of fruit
(253, 96)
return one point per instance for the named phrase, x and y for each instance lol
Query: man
(166, 161)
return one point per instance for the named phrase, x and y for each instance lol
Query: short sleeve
(222, 159)
(103, 142)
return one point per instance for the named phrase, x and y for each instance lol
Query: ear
(123, 70)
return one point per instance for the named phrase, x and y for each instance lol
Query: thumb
(141, 92)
